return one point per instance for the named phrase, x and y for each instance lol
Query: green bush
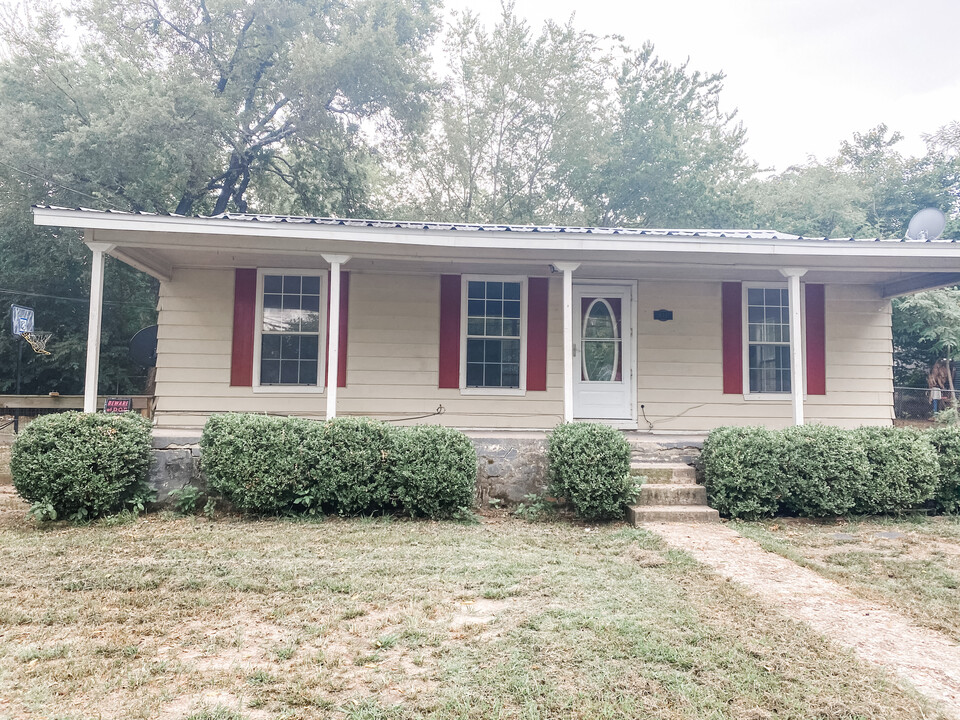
(590, 468)
(431, 472)
(946, 443)
(257, 462)
(347, 459)
(78, 465)
(904, 471)
(741, 466)
(347, 465)
(824, 470)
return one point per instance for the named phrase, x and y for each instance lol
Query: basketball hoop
(38, 341)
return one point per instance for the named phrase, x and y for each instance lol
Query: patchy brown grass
(170, 617)
(912, 564)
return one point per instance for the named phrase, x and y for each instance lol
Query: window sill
(515, 392)
(769, 397)
(288, 390)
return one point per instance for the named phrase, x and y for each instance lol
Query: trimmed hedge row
(590, 468)
(822, 471)
(77, 466)
(347, 466)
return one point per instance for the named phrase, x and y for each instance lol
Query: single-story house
(512, 327)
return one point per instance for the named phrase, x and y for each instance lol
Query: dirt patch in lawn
(240, 641)
(5, 478)
(13, 510)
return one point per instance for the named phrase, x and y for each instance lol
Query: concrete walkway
(926, 659)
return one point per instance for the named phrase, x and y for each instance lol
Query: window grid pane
(768, 335)
(493, 334)
(290, 331)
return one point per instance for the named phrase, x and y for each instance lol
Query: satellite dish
(926, 225)
(143, 347)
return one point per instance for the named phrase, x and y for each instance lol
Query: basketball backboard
(21, 319)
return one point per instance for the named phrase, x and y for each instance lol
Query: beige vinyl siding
(680, 373)
(392, 360)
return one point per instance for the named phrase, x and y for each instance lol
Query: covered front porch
(654, 331)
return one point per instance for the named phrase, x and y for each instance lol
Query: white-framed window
(289, 346)
(493, 334)
(766, 313)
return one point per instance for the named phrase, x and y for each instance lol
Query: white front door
(603, 352)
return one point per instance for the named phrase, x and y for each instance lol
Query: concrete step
(664, 473)
(638, 514)
(672, 494)
(666, 448)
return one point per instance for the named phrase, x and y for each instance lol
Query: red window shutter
(816, 340)
(449, 331)
(244, 319)
(344, 313)
(731, 311)
(538, 290)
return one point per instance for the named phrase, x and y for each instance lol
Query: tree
(868, 190)
(515, 133)
(894, 187)
(674, 158)
(51, 269)
(192, 105)
(563, 127)
(926, 329)
(943, 154)
(816, 200)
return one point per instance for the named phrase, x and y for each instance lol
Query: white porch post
(567, 268)
(95, 321)
(333, 332)
(797, 373)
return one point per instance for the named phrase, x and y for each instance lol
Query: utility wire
(73, 299)
(59, 185)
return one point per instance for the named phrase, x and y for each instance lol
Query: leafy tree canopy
(560, 126)
(867, 190)
(926, 329)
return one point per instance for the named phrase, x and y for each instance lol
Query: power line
(59, 185)
(73, 299)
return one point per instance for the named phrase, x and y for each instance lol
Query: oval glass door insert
(600, 336)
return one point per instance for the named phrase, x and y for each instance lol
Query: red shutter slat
(731, 312)
(244, 319)
(816, 340)
(449, 331)
(538, 290)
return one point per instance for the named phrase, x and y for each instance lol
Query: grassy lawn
(170, 617)
(912, 564)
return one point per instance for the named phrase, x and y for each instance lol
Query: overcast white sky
(803, 74)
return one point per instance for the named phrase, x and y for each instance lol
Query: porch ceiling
(647, 267)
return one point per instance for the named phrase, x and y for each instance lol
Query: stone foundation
(509, 467)
(176, 464)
